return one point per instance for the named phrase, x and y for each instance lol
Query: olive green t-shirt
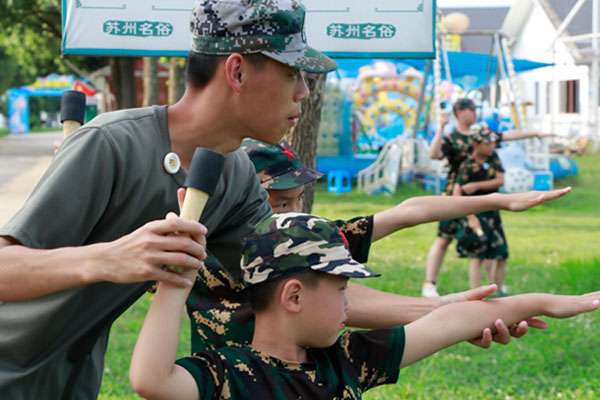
(107, 180)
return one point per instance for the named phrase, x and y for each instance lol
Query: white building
(559, 95)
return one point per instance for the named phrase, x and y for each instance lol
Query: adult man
(91, 236)
(454, 148)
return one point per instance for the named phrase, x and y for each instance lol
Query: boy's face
(288, 200)
(272, 103)
(324, 311)
(484, 148)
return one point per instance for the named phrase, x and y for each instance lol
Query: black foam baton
(72, 111)
(201, 182)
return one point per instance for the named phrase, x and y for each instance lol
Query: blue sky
(475, 3)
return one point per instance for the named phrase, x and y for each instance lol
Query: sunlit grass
(553, 248)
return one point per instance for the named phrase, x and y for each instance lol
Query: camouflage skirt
(492, 245)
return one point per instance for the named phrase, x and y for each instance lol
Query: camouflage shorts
(493, 246)
(448, 229)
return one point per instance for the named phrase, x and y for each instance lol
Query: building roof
(481, 19)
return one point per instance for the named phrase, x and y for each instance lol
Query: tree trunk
(150, 81)
(176, 79)
(123, 82)
(304, 137)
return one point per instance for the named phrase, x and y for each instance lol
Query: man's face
(272, 103)
(288, 200)
(467, 116)
(324, 311)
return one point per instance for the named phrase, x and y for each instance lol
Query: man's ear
(234, 71)
(291, 295)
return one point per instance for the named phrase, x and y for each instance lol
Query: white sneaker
(429, 290)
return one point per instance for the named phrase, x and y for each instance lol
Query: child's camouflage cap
(289, 243)
(278, 166)
(274, 28)
(481, 133)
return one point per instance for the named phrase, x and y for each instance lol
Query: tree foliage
(30, 43)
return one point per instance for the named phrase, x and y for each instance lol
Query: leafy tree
(30, 43)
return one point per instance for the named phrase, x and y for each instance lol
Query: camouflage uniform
(455, 148)
(469, 244)
(284, 245)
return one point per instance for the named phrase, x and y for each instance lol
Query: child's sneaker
(429, 290)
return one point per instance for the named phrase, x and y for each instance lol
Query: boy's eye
(282, 205)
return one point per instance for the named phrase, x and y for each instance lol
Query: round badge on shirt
(172, 163)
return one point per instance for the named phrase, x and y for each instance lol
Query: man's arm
(153, 373)
(435, 149)
(136, 257)
(517, 135)
(455, 323)
(420, 210)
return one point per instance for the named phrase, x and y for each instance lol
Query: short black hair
(201, 68)
(260, 295)
(461, 104)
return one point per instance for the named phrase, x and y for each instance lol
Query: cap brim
(308, 59)
(348, 267)
(290, 180)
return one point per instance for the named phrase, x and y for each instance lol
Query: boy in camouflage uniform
(219, 310)
(481, 235)
(296, 268)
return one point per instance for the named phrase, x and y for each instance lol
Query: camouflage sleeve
(208, 371)
(375, 354)
(359, 232)
(447, 147)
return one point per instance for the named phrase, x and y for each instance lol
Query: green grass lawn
(553, 248)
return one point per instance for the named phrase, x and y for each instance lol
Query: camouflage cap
(289, 243)
(278, 166)
(481, 133)
(274, 28)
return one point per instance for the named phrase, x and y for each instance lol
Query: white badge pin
(172, 163)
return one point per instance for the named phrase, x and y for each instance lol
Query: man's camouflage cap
(289, 243)
(274, 28)
(481, 133)
(278, 166)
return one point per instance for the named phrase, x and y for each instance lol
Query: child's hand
(569, 306)
(473, 223)
(524, 201)
(468, 188)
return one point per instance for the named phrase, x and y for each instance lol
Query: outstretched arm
(420, 210)
(455, 323)
(516, 135)
(371, 309)
(136, 257)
